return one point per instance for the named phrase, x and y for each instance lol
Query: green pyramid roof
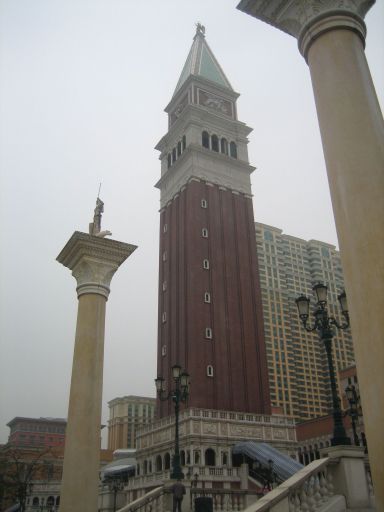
(201, 62)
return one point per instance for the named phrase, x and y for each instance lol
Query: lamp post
(115, 486)
(178, 394)
(353, 411)
(324, 325)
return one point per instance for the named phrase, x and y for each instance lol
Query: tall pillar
(93, 262)
(331, 38)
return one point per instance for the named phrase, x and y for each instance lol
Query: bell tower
(210, 315)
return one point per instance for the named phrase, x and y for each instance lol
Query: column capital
(307, 20)
(93, 261)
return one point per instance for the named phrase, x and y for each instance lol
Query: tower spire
(202, 63)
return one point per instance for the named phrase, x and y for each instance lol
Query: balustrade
(150, 502)
(223, 500)
(306, 491)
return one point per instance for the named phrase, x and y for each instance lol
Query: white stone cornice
(93, 261)
(308, 19)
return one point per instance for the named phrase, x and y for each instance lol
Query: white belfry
(331, 37)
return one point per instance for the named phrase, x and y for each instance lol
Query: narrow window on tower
(208, 333)
(207, 297)
(205, 140)
(206, 264)
(233, 150)
(169, 160)
(184, 142)
(164, 285)
(224, 146)
(165, 256)
(210, 370)
(204, 203)
(164, 350)
(165, 228)
(204, 233)
(174, 155)
(215, 143)
(178, 148)
(164, 317)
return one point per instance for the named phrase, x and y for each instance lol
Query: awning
(283, 465)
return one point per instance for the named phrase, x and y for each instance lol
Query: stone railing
(151, 480)
(309, 489)
(203, 472)
(222, 471)
(339, 482)
(222, 499)
(150, 502)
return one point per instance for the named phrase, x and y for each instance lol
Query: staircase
(339, 482)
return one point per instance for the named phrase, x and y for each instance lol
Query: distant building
(297, 365)
(37, 432)
(315, 434)
(126, 414)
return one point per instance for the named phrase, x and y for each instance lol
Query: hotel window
(164, 285)
(164, 350)
(206, 264)
(208, 333)
(164, 317)
(165, 256)
(204, 233)
(165, 228)
(204, 203)
(210, 370)
(207, 297)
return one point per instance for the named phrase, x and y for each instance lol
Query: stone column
(331, 38)
(93, 262)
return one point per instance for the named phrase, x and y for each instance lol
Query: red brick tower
(210, 315)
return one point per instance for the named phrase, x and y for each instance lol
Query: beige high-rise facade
(126, 414)
(297, 365)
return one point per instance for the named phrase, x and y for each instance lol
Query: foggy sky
(83, 85)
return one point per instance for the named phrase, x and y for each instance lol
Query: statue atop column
(95, 226)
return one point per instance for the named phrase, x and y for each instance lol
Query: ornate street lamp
(354, 409)
(324, 325)
(178, 394)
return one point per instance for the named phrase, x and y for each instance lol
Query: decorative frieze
(210, 428)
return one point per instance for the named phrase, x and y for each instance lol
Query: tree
(18, 468)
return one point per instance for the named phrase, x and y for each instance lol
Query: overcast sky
(83, 85)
